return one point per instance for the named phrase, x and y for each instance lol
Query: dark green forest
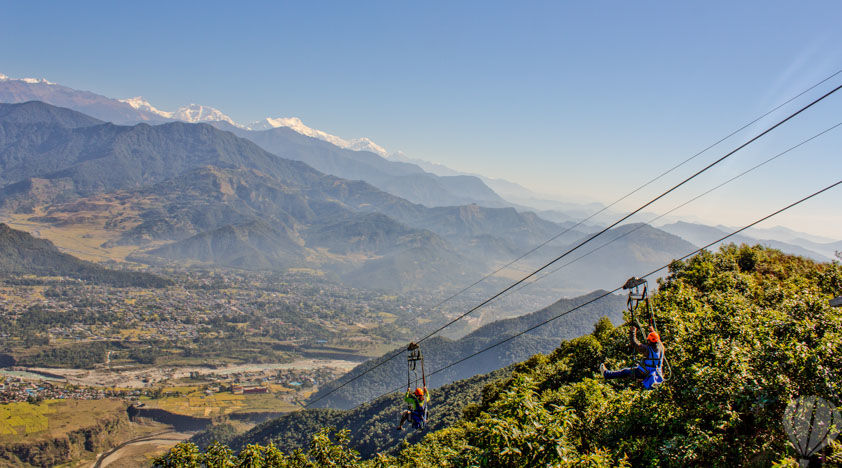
(746, 329)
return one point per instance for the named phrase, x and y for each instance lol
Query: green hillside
(440, 351)
(371, 425)
(746, 331)
(22, 254)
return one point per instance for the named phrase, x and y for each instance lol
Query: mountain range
(180, 192)
(175, 181)
(70, 167)
(700, 235)
(359, 159)
(415, 180)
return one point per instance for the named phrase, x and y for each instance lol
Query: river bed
(144, 377)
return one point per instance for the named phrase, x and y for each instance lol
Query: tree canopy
(746, 330)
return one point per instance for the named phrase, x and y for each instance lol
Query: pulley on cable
(419, 399)
(636, 296)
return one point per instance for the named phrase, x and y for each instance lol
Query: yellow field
(387, 317)
(81, 240)
(198, 404)
(23, 418)
(134, 333)
(82, 232)
(22, 421)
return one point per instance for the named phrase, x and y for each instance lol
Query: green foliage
(439, 352)
(184, 455)
(217, 433)
(80, 355)
(746, 330)
(371, 425)
(323, 452)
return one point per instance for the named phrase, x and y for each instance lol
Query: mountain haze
(180, 192)
(359, 159)
(405, 180)
(700, 234)
(185, 180)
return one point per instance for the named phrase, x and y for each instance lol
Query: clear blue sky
(576, 98)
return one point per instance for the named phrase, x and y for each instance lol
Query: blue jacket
(651, 365)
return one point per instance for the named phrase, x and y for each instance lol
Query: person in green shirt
(417, 402)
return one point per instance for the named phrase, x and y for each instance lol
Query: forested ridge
(22, 254)
(371, 425)
(747, 330)
(440, 351)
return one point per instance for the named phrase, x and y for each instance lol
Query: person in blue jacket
(649, 371)
(417, 402)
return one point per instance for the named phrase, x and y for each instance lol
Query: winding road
(156, 437)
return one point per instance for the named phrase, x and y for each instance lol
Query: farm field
(197, 404)
(24, 421)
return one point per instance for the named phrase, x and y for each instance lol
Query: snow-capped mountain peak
(365, 144)
(195, 113)
(192, 113)
(26, 80)
(291, 122)
(198, 113)
(141, 104)
(295, 124)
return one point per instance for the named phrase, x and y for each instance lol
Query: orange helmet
(653, 337)
(419, 392)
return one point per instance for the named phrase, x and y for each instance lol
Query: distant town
(32, 388)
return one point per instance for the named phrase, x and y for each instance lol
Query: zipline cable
(627, 216)
(442, 369)
(641, 208)
(627, 233)
(639, 188)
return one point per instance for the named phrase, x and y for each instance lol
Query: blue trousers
(625, 373)
(418, 418)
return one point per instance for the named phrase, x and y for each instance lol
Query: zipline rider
(649, 371)
(417, 401)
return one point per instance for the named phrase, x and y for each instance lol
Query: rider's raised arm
(633, 340)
